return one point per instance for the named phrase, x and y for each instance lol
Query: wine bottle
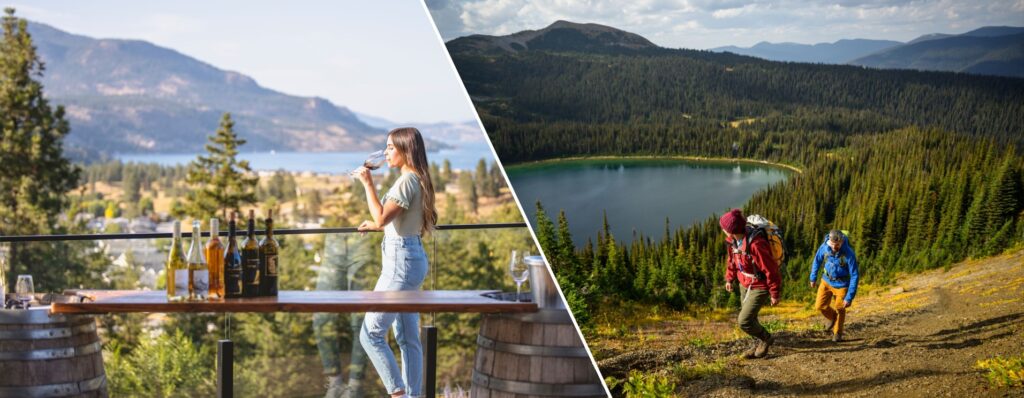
(268, 259)
(251, 261)
(198, 271)
(232, 263)
(176, 270)
(215, 260)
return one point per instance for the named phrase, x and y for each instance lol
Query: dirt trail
(920, 338)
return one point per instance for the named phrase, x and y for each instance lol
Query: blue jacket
(840, 268)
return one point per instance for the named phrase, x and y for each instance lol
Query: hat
(733, 222)
(835, 235)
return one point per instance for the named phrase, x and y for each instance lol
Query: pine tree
(34, 175)
(566, 248)
(547, 237)
(219, 180)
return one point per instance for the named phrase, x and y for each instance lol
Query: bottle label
(201, 282)
(181, 282)
(252, 267)
(233, 282)
(272, 265)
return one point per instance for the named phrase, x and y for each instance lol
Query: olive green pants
(752, 303)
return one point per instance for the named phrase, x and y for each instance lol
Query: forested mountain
(839, 52)
(559, 36)
(991, 50)
(997, 50)
(923, 168)
(131, 96)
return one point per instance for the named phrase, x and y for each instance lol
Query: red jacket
(758, 260)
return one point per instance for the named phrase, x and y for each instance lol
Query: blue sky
(702, 24)
(377, 58)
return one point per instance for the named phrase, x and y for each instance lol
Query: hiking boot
(837, 337)
(762, 346)
(750, 354)
(831, 325)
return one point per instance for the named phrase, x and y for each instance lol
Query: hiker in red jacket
(751, 262)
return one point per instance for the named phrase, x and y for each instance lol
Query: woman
(406, 212)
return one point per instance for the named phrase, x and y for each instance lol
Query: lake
(636, 193)
(463, 156)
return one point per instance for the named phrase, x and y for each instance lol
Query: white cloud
(713, 23)
(732, 12)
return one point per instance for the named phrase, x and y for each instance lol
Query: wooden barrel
(532, 355)
(50, 356)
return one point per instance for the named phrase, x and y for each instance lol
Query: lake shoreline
(755, 162)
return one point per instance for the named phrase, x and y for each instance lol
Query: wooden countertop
(120, 301)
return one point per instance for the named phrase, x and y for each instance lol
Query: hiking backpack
(758, 225)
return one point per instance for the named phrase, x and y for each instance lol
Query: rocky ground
(919, 338)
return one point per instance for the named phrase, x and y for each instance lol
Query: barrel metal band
(528, 388)
(531, 350)
(542, 316)
(55, 390)
(42, 334)
(33, 316)
(53, 353)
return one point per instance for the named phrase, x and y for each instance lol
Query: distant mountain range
(992, 50)
(130, 96)
(824, 53)
(446, 132)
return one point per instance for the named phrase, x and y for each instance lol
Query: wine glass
(374, 160)
(24, 290)
(520, 271)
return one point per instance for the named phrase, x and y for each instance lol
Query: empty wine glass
(519, 270)
(24, 290)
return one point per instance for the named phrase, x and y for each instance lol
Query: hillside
(539, 104)
(922, 336)
(131, 96)
(989, 50)
(559, 36)
(994, 51)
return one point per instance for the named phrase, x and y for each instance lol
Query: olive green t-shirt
(406, 193)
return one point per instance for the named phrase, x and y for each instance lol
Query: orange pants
(826, 295)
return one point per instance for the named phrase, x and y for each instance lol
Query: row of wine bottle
(211, 272)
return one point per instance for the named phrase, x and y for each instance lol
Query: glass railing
(276, 354)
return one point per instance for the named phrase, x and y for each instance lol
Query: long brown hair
(409, 142)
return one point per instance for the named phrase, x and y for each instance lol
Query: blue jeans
(404, 268)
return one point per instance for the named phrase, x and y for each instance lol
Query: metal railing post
(428, 337)
(225, 368)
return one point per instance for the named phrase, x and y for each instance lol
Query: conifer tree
(219, 180)
(34, 174)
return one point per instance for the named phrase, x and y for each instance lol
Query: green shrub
(1004, 372)
(699, 370)
(161, 366)
(642, 385)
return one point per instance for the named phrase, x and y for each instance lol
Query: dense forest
(922, 168)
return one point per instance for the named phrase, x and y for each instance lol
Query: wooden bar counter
(120, 301)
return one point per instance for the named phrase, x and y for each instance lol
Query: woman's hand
(367, 226)
(363, 174)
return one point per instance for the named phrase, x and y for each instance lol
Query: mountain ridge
(988, 50)
(132, 96)
(560, 35)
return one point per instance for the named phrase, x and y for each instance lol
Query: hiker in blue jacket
(839, 283)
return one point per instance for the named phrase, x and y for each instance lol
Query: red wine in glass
(375, 160)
